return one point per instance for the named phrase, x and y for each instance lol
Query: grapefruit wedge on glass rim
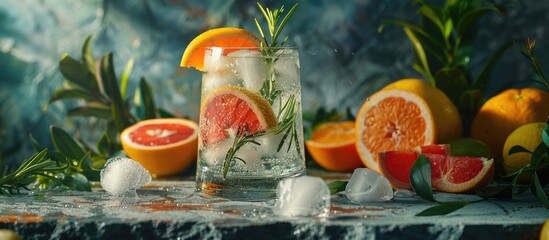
(229, 109)
(163, 146)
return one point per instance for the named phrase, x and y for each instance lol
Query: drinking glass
(251, 128)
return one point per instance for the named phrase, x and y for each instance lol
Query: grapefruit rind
(479, 181)
(258, 105)
(218, 37)
(370, 156)
(162, 160)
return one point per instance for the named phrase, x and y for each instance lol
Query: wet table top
(172, 209)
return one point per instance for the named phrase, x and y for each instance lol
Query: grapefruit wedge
(163, 146)
(230, 108)
(454, 174)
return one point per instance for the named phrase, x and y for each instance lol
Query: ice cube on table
(303, 196)
(122, 175)
(367, 185)
(250, 67)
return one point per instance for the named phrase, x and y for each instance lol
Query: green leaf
(443, 208)
(120, 114)
(91, 111)
(470, 19)
(64, 143)
(103, 145)
(484, 76)
(420, 178)
(337, 186)
(420, 55)
(470, 102)
(433, 16)
(518, 149)
(545, 134)
(77, 181)
(163, 113)
(501, 192)
(87, 56)
(125, 77)
(77, 73)
(147, 102)
(87, 169)
(70, 93)
(35, 144)
(452, 82)
(448, 27)
(537, 189)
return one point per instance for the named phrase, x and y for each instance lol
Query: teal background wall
(343, 57)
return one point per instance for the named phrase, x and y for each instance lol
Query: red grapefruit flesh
(163, 146)
(230, 108)
(454, 174)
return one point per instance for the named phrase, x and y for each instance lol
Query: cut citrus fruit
(218, 37)
(458, 174)
(396, 165)
(455, 174)
(392, 120)
(230, 108)
(332, 146)
(445, 114)
(163, 146)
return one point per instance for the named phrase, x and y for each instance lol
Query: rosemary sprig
(287, 114)
(272, 18)
(242, 137)
(36, 165)
(528, 51)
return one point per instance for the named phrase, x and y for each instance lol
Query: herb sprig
(287, 114)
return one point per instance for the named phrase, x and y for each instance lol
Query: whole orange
(505, 112)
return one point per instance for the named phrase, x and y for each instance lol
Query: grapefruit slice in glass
(332, 146)
(218, 37)
(392, 120)
(230, 108)
(163, 146)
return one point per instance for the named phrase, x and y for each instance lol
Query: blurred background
(344, 58)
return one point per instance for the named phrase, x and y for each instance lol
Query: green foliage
(337, 186)
(442, 43)
(71, 165)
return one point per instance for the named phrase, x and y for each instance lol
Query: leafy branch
(242, 137)
(442, 45)
(71, 165)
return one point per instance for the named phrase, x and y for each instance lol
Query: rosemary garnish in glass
(287, 113)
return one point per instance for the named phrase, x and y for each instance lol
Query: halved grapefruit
(163, 146)
(332, 146)
(230, 108)
(392, 120)
(218, 37)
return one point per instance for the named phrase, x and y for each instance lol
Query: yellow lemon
(527, 136)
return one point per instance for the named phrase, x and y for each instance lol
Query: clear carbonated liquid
(257, 167)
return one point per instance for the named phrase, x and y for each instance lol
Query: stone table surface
(172, 210)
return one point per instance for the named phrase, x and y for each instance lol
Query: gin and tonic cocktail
(251, 131)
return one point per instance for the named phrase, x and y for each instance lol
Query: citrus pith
(218, 37)
(392, 120)
(332, 146)
(163, 146)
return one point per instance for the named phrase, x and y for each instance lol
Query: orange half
(218, 37)
(392, 120)
(332, 146)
